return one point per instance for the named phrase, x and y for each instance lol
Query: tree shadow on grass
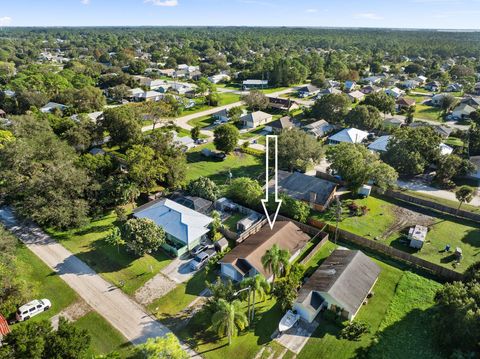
(413, 336)
(472, 238)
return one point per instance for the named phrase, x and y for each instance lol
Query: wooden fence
(439, 271)
(315, 249)
(433, 205)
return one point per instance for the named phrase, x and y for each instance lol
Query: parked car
(201, 259)
(198, 249)
(32, 308)
(201, 141)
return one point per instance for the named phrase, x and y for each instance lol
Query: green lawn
(398, 297)
(226, 98)
(202, 122)
(410, 312)
(105, 338)
(231, 222)
(118, 267)
(445, 229)
(453, 141)
(241, 165)
(428, 112)
(445, 202)
(246, 345)
(43, 283)
(167, 306)
(273, 90)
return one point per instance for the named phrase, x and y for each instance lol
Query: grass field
(226, 98)
(445, 202)
(180, 297)
(104, 338)
(273, 90)
(426, 112)
(202, 122)
(43, 283)
(118, 267)
(398, 297)
(409, 312)
(384, 215)
(240, 164)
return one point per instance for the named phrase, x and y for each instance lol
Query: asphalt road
(123, 313)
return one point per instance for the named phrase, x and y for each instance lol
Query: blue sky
(445, 14)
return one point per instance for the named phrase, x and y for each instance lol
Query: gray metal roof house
(341, 283)
(317, 192)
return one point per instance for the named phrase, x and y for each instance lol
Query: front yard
(119, 267)
(388, 220)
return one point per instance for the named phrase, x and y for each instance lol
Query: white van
(32, 308)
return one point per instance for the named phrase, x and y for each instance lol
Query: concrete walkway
(124, 314)
(295, 338)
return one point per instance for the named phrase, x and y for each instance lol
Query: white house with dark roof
(348, 135)
(341, 284)
(255, 119)
(183, 226)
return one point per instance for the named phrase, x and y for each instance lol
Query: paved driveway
(124, 314)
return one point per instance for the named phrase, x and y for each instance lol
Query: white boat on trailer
(288, 321)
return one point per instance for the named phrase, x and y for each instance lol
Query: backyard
(387, 221)
(240, 165)
(117, 266)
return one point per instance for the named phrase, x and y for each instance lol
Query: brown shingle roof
(285, 234)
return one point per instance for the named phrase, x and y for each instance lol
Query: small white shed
(417, 236)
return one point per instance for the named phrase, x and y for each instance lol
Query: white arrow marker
(278, 202)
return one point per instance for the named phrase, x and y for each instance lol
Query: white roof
(179, 221)
(136, 91)
(357, 94)
(380, 144)
(51, 105)
(350, 135)
(256, 117)
(445, 149)
(418, 233)
(255, 82)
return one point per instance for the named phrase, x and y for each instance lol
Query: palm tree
(229, 318)
(260, 286)
(131, 193)
(275, 259)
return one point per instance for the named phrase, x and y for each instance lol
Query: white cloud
(5, 20)
(169, 3)
(368, 15)
(85, 2)
(311, 11)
